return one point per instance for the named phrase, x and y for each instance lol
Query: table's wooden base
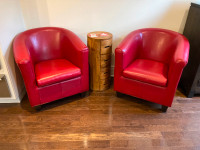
(100, 49)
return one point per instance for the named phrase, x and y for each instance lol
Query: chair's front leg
(85, 94)
(164, 108)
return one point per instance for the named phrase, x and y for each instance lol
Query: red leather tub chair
(53, 62)
(149, 63)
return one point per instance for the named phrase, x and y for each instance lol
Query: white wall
(116, 16)
(10, 25)
(35, 13)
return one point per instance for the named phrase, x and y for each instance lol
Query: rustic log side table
(100, 50)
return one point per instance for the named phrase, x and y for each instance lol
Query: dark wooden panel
(190, 74)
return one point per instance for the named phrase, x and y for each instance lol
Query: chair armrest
(178, 62)
(77, 52)
(22, 55)
(20, 50)
(127, 51)
(74, 49)
(25, 64)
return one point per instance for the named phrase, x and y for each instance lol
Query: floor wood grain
(101, 121)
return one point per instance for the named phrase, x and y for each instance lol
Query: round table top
(99, 35)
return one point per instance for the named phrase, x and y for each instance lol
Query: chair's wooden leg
(38, 107)
(119, 94)
(164, 108)
(85, 94)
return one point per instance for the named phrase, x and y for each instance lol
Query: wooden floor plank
(101, 121)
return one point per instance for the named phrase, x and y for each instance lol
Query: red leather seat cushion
(53, 71)
(148, 71)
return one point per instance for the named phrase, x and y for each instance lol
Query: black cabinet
(190, 80)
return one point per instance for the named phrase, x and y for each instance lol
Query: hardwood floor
(101, 121)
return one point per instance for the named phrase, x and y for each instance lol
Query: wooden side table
(100, 50)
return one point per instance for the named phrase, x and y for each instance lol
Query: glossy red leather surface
(36, 48)
(56, 70)
(147, 71)
(164, 46)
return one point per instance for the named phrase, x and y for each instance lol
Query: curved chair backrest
(158, 44)
(44, 43)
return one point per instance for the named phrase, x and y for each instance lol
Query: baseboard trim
(9, 100)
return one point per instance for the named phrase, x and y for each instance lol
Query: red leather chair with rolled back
(53, 62)
(149, 63)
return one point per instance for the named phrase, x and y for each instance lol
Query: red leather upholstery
(56, 70)
(53, 62)
(149, 63)
(148, 71)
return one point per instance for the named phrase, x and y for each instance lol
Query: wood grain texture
(101, 121)
(94, 60)
(100, 49)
